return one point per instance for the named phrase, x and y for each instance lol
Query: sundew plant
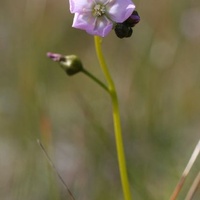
(98, 18)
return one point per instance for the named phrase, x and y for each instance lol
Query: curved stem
(116, 120)
(95, 79)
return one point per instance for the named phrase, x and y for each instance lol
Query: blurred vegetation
(157, 74)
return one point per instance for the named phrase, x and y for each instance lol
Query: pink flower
(98, 17)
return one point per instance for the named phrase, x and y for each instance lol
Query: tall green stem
(116, 120)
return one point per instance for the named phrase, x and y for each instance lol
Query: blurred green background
(157, 75)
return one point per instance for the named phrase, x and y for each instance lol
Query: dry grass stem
(193, 188)
(54, 168)
(186, 171)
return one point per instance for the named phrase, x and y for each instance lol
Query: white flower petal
(80, 5)
(120, 10)
(102, 27)
(83, 21)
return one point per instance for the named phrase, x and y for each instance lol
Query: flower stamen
(99, 10)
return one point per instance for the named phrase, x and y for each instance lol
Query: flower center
(99, 10)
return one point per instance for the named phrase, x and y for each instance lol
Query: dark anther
(124, 29)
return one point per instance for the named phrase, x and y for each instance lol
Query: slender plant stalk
(54, 168)
(116, 120)
(193, 189)
(186, 172)
(94, 78)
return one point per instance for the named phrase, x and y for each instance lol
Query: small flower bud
(71, 63)
(133, 19)
(124, 29)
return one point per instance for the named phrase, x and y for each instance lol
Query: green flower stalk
(98, 18)
(72, 65)
(116, 120)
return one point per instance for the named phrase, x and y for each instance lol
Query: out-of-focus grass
(157, 75)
